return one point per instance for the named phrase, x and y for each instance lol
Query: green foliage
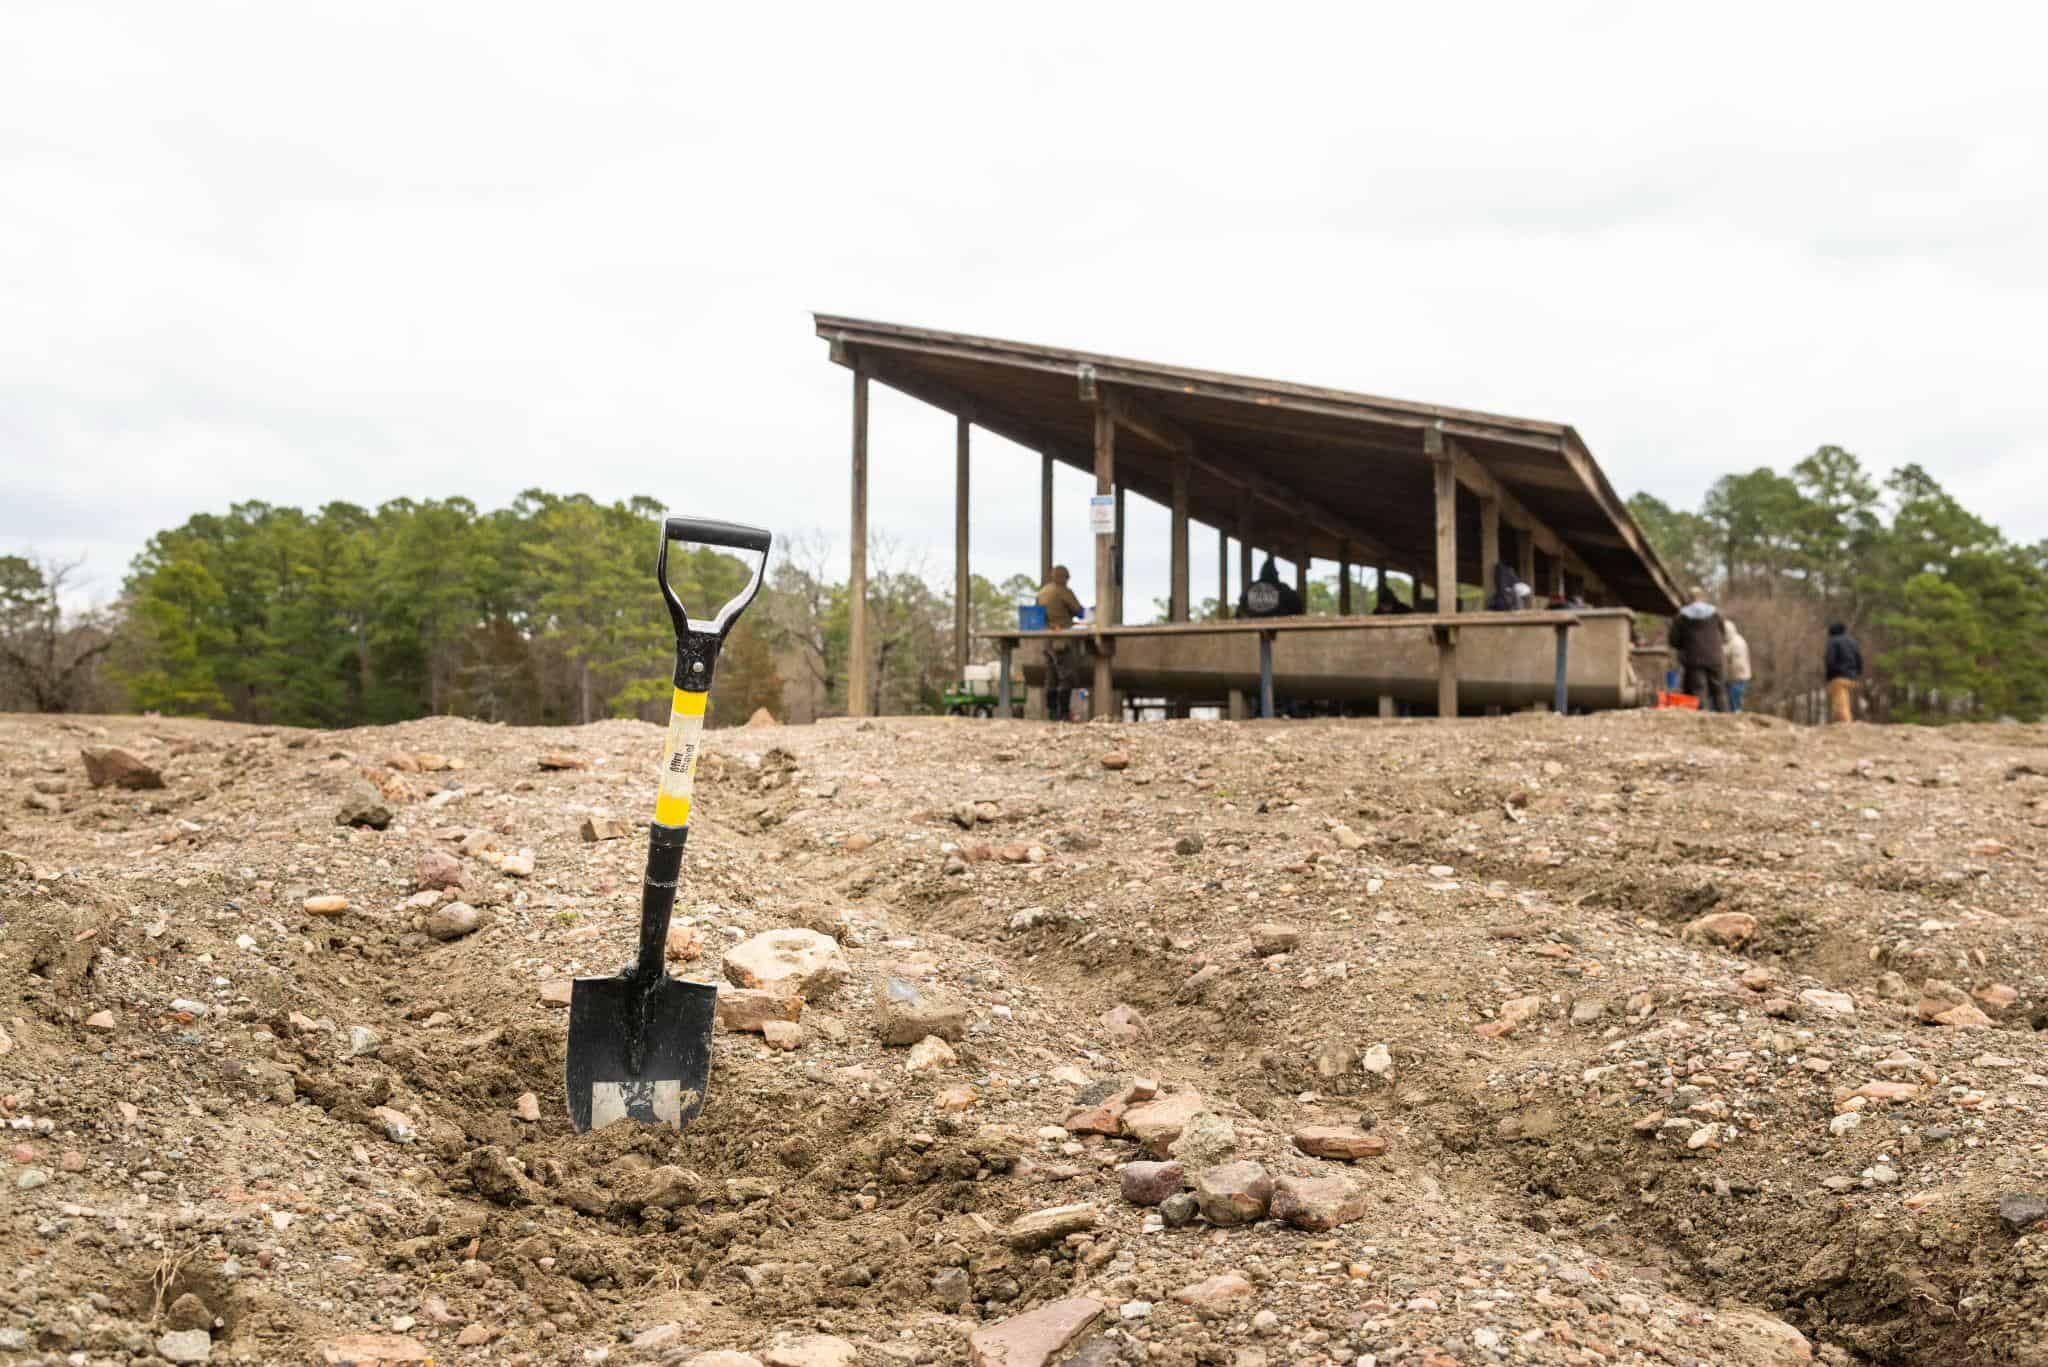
(541, 612)
(1947, 610)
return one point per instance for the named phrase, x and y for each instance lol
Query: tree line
(1949, 612)
(542, 612)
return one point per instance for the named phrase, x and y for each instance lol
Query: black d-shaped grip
(697, 644)
(705, 532)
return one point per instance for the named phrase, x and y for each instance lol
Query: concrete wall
(1497, 666)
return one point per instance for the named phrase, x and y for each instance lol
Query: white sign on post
(1102, 514)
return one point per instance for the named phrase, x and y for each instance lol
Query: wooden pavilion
(1439, 494)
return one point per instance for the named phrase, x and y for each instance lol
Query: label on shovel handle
(679, 758)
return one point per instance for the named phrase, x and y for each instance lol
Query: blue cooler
(1030, 617)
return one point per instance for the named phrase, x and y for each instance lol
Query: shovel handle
(658, 896)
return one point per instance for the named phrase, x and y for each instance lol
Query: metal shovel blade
(670, 1019)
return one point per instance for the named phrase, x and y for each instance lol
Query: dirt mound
(1636, 1038)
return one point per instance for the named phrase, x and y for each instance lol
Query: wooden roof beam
(1161, 430)
(1481, 482)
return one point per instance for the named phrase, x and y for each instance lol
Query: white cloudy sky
(300, 251)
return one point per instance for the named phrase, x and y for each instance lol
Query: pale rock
(1206, 1140)
(185, 1345)
(785, 1035)
(329, 904)
(928, 1053)
(105, 764)
(100, 1020)
(374, 1350)
(810, 1350)
(519, 865)
(1271, 937)
(601, 826)
(1036, 1339)
(794, 960)
(749, 1009)
(1215, 1292)
(1732, 929)
(1157, 1123)
(1049, 1226)
(1829, 1003)
(1123, 1024)
(450, 922)
(1378, 1060)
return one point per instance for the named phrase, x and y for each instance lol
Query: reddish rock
(1318, 1203)
(1342, 1142)
(374, 1350)
(1234, 1194)
(1147, 1184)
(1105, 1119)
(105, 764)
(1036, 1339)
(1156, 1124)
(1116, 761)
(1995, 996)
(1513, 1015)
(1888, 1091)
(557, 760)
(438, 869)
(596, 827)
(1124, 1025)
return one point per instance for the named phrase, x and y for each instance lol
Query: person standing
(1061, 609)
(1699, 635)
(1844, 669)
(1737, 657)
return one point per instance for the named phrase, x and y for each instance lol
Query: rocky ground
(1635, 1038)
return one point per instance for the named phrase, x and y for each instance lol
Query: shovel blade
(673, 1020)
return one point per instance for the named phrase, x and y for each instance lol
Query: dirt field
(1629, 1018)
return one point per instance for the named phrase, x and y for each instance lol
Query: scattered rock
(189, 1312)
(685, 944)
(558, 760)
(557, 991)
(1341, 1142)
(1147, 1184)
(1124, 1025)
(808, 1350)
(1178, 1210)
(517, 865)
(1732, 929)
(1318, 1203)
(1829, 1003)
(662, 1188)
(2021, 1211)
(1587, 1011)
(750, 1008)
(527, 1108)
(450, 922)
(363, 805)
(1206, 1140)
(329, 904)
(1269, 938)
(1378, 1060)
(438, 869)
(929, 1052)
(596, 828)
(105, 764)
(785, 1035)
(1042, 1227)
(794, 960)
(1035, 1339)
(760, 717)
(1116, 761)
(100, 1020)
(185, 1345)
(477, 1334)
(656, 1337)
(1215, 1292)
(1234, 1194)
(374, 1350)
(1514, 1014)
(906, 1013)
(1157, 1123)
(1191, 843)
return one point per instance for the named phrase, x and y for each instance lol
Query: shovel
(640, 1042)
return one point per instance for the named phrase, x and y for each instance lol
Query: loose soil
(1609, 1137)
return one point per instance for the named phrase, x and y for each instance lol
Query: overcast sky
(300, 252)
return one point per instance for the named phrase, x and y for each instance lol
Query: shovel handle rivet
(696, 666)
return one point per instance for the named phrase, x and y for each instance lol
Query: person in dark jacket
(1844, 668)
(1266, 596)
(1699, 635)
(1509, 593)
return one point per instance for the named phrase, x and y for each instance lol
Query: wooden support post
(1525, 553)
(1301, 575)
(1238, 709)
(1344, 580)
(1244, 559)
(1044, 519)
(858, 703)
(1177, 592)
(1116, 561)
(1387, 706)
(1489, 541)
(1222, 575)
(1007, 647)
(963, 596)
(1100, 703)
(1446, 536)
